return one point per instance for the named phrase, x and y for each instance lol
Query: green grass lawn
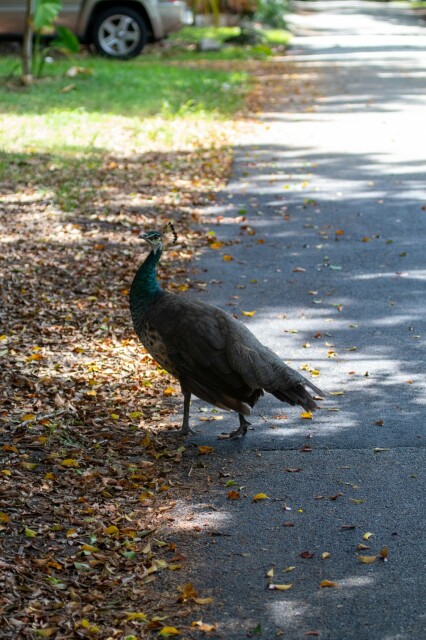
(114, 104)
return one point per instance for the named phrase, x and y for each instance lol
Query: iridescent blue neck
(145, 287)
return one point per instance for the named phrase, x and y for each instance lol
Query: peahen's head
(154, 239)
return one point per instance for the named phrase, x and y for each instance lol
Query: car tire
(119, 32)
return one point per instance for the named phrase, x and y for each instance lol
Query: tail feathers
(298, 395)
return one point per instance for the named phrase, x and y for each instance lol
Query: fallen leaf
(205, 449)
(299, 270)
(367, 535)
(187, 592)
(234, 495)
(328, 583)
(136, 616)
(367, 559)
(260, 496)
(167, 632)
(270, 573)
(28, 417)
(203, 600)
(4, 518)
(29, 533)
(288, 569)
(216, 245)
(293, 470)
(380, 449)
(112, 531)
(306, 415)
(325, 555)
(69, 462)
(227, 257)
(204, 627)
(248, 313)
(280, 587)
(169, 391)
(307, 554)
(384, 553)
(362, 547)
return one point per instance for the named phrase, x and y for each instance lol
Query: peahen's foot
(185, 430)
(241, 431)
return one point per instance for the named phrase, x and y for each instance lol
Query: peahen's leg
(242, 429)
(185, 424)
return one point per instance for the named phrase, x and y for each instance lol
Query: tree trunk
(27, 48)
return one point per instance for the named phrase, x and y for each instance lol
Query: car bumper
(174, 15)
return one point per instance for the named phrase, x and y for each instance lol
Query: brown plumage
(213, 355)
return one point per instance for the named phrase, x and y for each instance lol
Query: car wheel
(119, 33)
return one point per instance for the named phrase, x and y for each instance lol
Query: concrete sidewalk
(335, 190)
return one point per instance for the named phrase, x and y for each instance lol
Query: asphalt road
(335, 190)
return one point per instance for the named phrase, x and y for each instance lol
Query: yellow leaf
(47, 632)
(354, 501)
(306, 415)
(325, 555)
(115, 416)
(367, 559)
(169, 391)
(136, 616)
(28, 417)
(202, 626)
(29, 466)
(281, 587)
(29, 533)
(187, 592)
(204, 450)
(72, 533)
(227, 257)
(89, 548)
(314, 372)
(135, 414)
(335, 393)
(249, 314)
(203, 600)
(69, 462)
(89, 626)
(260, 496)
(339, 232)
(328, 583)
(270, 573)
(362, 547)
(367, 535)
(216, 245)
(49, 476)
(6, 472)
(112, 531)
(166, 632)
(4, 518)
(288, 569)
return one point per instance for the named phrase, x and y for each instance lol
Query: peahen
(213, 355)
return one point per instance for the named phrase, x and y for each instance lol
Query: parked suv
(117, 29)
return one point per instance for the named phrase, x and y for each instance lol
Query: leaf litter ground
(88, 471)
